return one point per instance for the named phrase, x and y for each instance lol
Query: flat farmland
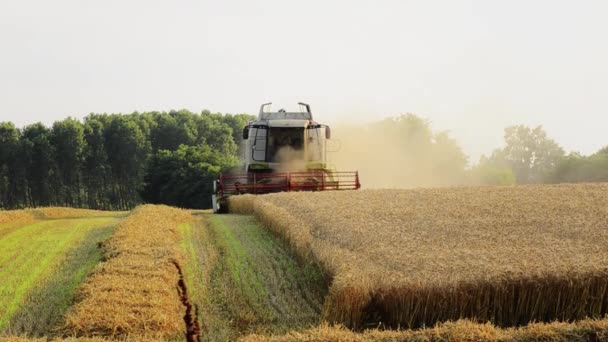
(412, 258)
(525, 263)
(44, 256)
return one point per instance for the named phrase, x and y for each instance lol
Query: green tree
(103, 163)
(575, 168)
(127, 149)
(67, 138)
(596, 168)
(237, 122)
(12, 173)
(174, 129)
(184, 177)
(38, 157)
(96, 168)
(529, 153)
(216, 134)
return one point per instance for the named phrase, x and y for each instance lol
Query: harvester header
(284, 151)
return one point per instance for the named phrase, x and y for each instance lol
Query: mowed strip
(32, 254)
(244, 279)
(412, 258)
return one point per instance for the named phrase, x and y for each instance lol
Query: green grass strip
(240, 264)
(41, 267)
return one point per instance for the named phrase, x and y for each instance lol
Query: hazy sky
(471, 67)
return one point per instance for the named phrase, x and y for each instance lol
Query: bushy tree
(103, 162)
(67, 138)
(96, 169)
(173, 130)
(528, 152)
(126, 147)
(11, 169)
(575, 168)
(37, 153)
(184, 177)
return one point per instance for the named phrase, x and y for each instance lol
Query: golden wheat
(410, 258)
(15, 216)
(81, 339)
(460, 331)
(135, 292)
(64, 212)
(33, 214)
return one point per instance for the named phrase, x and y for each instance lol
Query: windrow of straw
(31, 215)
(463, 330)
(64, 213)
(135, 291)
(14, 216)
(412, 258)
(79, 339)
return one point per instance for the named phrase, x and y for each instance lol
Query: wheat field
(460, 331)
(412, 258)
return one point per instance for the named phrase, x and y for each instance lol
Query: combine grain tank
(284, 151)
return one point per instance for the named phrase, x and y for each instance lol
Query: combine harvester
(285, 151)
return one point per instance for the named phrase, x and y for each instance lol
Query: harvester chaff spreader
(284, 151)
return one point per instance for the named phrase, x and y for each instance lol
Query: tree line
(530, 156)
(113, 161)
(405, 151)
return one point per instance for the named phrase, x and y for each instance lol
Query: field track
(41, 264)
(251, 282)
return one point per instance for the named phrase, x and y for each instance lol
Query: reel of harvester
(266, 183)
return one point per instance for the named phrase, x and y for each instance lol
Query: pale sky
(471, 67)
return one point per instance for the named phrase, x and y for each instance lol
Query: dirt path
(245, 280)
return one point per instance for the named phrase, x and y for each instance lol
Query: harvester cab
(284, 151)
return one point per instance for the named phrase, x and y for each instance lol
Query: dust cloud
(290, 159)
(398, 153)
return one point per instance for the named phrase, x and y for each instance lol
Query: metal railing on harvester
(263, 183)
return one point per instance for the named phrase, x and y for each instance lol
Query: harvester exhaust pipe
(263, 107)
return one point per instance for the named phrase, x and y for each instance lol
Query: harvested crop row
(15, 216)
(463, 330)
(411, 258)
(135, 292)
(63, 212)
(79, 339)
(30, 215)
